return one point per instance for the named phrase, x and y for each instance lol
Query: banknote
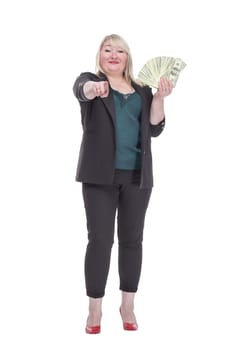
(162, 66)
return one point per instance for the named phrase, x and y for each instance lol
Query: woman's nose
(114, 54)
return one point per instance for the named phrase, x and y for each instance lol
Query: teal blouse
(128, 110)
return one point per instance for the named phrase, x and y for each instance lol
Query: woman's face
(113, 59)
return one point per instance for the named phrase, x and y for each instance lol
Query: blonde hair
(118, 41)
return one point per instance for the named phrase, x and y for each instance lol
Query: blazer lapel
(109, 104)
(144, 115)
(108, 101)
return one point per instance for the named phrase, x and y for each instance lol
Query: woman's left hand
(165, 88)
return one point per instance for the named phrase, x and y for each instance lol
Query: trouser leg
(100, 206)
(133, 203)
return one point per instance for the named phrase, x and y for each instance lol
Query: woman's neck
(120, 84)
(118, 79)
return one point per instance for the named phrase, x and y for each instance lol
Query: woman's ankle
(127, 307)
(95, 311)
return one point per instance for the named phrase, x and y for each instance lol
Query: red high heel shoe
(129, 326)
(92, 329)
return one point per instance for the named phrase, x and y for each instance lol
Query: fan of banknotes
(157, 67)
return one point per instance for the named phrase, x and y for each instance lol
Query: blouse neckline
(123, 93)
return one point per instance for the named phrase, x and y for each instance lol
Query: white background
(185, 295)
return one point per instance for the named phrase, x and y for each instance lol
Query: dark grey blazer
(96, 162)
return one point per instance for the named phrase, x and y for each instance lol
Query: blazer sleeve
(79, 83)
(78, 86)
(157, 129)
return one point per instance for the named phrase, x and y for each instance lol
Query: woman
(119, 116)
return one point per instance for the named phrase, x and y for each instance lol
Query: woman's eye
(107, 50)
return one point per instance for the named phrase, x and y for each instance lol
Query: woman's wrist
(88, 90)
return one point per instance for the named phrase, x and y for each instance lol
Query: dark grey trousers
(101, 205)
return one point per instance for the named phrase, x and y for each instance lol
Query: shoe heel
(92, 330)
(128, 326)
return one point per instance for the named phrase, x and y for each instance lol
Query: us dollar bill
(158, 67)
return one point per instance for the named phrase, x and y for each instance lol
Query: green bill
(158, 67)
